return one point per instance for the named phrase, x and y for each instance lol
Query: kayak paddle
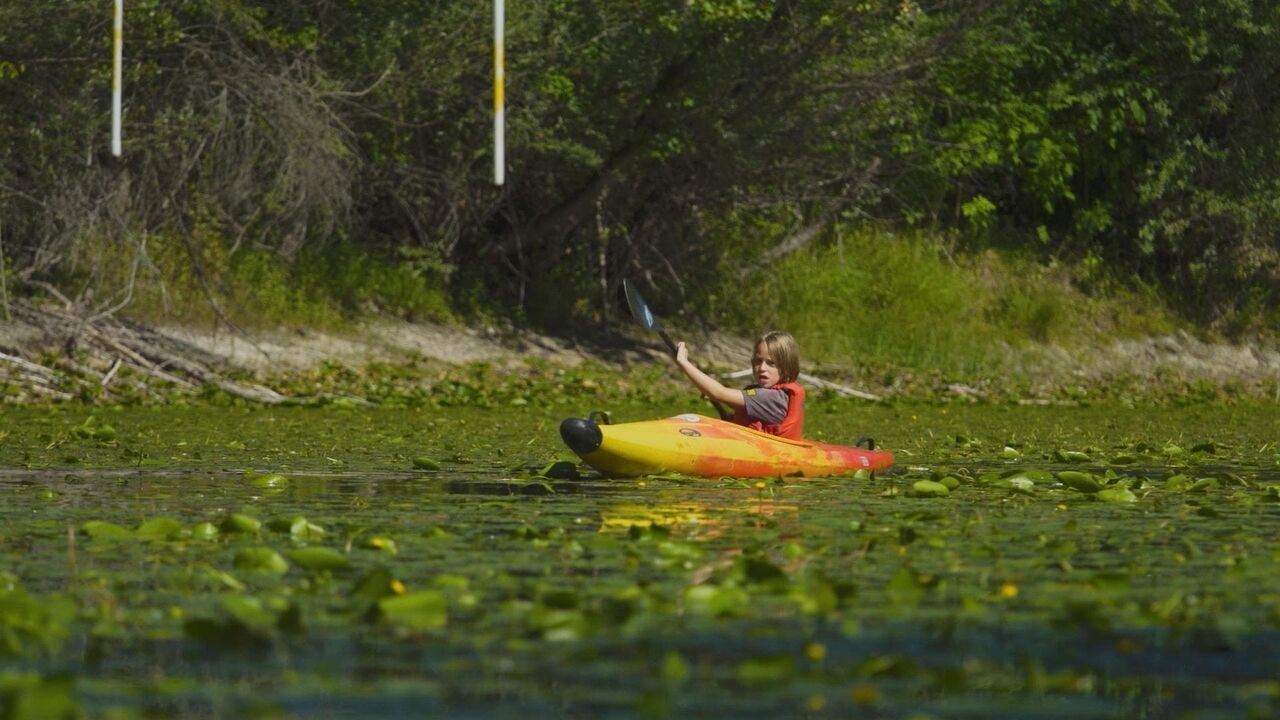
(641, 312)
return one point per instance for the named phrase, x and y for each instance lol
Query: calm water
(483, 589)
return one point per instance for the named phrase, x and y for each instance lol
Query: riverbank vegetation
(910, 184)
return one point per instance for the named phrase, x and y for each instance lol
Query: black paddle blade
(639, 308)
(641, 312)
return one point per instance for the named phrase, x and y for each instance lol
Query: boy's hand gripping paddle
(641, 312)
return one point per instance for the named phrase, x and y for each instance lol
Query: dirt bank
(46, 354)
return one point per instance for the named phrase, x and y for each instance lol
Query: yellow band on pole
(499, 79)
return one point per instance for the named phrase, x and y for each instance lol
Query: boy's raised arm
(707, 384)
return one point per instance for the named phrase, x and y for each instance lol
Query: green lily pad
(1017, 483)
(240, 523)
(1117, 495)
(297, 526)
(101, 530)
(929, 488)
(421, 610)
(261, 559)
(223, 579)
(422, 462)
(716, 600)
(1017, 478)
(1082, 481)
(304, 529)
(250, 610)
(320, 558)
(378, 542)
(1070, 456)
(204, 531)
(905, 589)
(159, 529)
(270, 481)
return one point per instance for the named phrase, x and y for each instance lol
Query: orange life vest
(792, 426)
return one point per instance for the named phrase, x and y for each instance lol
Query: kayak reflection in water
(774, 402)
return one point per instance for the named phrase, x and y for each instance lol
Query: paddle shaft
(725, 413)
(641, 312)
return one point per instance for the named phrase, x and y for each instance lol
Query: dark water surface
(486, 589)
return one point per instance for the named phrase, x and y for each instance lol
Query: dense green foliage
(678, 142)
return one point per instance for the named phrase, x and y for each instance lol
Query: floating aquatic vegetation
(261, 559)
(106, 531)
(1082, 481)
(270, 481)
(1071, 456)
(159, 529)
(240, 523)
(1117, 495)
(33, 624)
(319, 559)
(422, 462)
(1026, 585)
(929, 488)
(420, 610)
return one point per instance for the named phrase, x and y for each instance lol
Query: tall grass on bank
(321, 288)
(880, 299)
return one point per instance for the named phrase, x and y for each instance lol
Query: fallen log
(814, 381)
(114, 344)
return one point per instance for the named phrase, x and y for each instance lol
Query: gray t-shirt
(768, 405)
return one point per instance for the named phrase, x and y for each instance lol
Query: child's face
(763, 367)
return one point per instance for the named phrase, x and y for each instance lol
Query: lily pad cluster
(1050, 558)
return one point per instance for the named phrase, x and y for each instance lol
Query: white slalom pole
(499, 101)
(117, 42)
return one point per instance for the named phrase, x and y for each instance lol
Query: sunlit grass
(323, 288)
(905, 300)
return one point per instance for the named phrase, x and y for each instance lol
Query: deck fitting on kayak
(582, 436)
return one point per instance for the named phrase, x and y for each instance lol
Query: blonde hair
(785, 351)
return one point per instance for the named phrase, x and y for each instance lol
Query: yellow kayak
(705, 447)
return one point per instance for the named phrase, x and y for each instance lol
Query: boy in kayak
(774, 403)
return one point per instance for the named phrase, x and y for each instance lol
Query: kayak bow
(705, 447)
